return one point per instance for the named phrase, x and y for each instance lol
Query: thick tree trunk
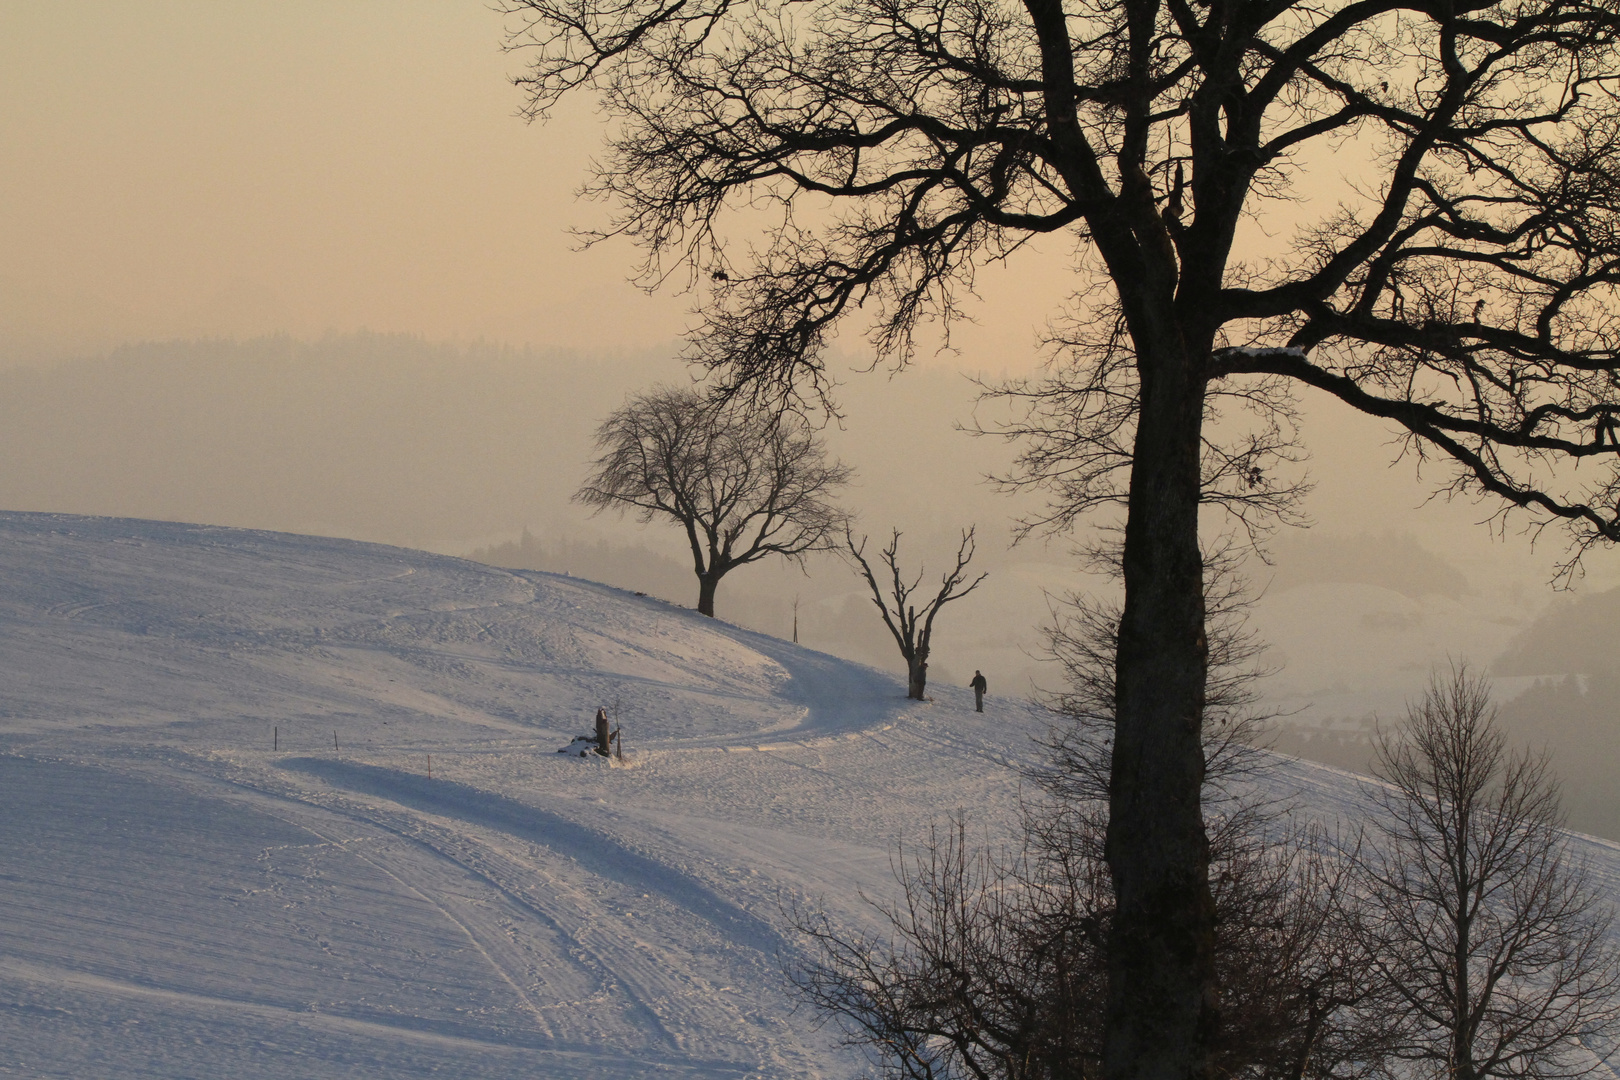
(916, 678)
(1161, 1007)
(707, 584)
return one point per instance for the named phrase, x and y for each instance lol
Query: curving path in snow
(281, 806)
(195, 881)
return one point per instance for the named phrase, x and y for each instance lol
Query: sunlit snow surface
(178, 899)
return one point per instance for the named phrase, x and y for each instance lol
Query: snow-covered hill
(178, 898)
(222, 853)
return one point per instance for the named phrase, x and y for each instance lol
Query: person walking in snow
(979, 687)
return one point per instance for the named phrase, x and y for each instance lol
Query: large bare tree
(1493, 940)
(744, 483)
(1462, 289)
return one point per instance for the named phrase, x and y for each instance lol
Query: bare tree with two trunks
(1484, 924)
(743, 483)
(913, 630)
(1460, 287)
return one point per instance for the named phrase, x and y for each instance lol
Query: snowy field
(196, 882)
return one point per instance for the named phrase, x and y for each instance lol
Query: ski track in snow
(178, 898)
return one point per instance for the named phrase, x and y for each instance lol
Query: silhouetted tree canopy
(743, 482)
(1462, 289)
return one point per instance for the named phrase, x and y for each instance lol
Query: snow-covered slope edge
(194, 880)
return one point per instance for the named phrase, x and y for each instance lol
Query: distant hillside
(382, 437)
(1580, 635)
(1394, 561)
(1576, 720)
(1345, 745)
(759, 597)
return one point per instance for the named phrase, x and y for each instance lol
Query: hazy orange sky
(187, 169)
(179, 169)
(176, 170)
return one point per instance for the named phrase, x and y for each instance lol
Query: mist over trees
(1394, 561)
(1559, 684)
(1577, 721)
(382, 437)
(400, 439)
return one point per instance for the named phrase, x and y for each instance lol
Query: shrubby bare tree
(1462, 291)
(913, 630)
(743, 482)
(1484, 925)
(995, 962)
(991, 965)
(1082, 639)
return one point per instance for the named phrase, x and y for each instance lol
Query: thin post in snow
(275, 740)
(430, 766)
(334, 741)
(618, 732)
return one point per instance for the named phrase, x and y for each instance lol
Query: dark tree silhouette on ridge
(1462, 290)
(743, 483)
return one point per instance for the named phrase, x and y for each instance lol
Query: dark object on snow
(604, 737)
(979, 688)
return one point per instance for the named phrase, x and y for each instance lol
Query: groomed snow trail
(180, 897)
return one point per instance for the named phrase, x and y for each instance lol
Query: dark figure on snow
(602, 734)
(979, 687)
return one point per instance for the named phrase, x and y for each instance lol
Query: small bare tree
(743, 482)
(1485, 925)
(913, 630)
